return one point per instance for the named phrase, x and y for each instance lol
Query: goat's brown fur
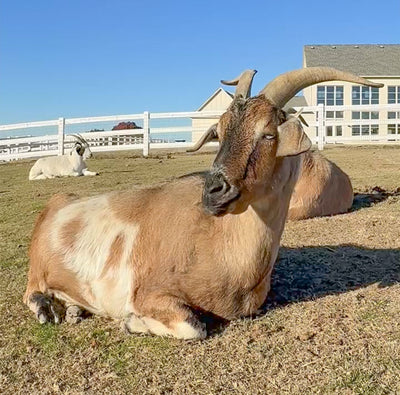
(322, 189)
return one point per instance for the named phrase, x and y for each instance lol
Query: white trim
(215, 94)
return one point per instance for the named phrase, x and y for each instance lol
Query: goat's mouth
(221, 205)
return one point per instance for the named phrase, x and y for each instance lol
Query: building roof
(296, 101)
(217, 92)
(370, 60)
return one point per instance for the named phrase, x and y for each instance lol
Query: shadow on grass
(310, 272)
(371, 197)
(302, 274)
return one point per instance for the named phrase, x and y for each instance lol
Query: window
(394, 128)
(393, 115)
(330, 95)
(365, 115)
(355, 130)
(393, 94)
(364, 95)
(394, 98)
(364, 130)
(332, 131)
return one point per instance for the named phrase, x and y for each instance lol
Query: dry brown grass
(331, 325)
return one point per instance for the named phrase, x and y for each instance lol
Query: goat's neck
(272, 207)
(253, 237)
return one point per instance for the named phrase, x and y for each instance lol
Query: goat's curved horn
(208, 136)
(281, 89)
(80, 139)
(243, 83)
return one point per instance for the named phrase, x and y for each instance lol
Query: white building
(378, 63)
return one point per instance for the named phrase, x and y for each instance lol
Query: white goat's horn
(80, 139)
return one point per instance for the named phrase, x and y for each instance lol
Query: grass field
(331, 324)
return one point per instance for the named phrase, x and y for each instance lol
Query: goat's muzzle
(218, 194)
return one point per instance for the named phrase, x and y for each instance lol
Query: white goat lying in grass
(72, 164)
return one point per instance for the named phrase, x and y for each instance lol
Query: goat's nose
(216, 185)
(218, 193)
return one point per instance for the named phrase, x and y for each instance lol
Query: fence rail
(319, 118)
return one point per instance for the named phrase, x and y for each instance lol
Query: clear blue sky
(95, 57)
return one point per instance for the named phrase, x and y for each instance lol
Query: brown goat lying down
(205, 242)
(321, 189)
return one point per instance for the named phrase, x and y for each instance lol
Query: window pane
(365, 97)
(329, 130)
(321, 94)
(391, 98)
(391, 115)
(339, 114)
(355, 115)
(330, 89)
(365, 115)
(330, 114)
(355, 130)
(355, 95)
(391, 89)
(374, 96)
(338, 131)
(374, 115)
(365, 130)
(330, 102)
(391, 129)
(339, 95)
(374, 129)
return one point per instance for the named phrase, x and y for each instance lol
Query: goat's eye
(268, 136)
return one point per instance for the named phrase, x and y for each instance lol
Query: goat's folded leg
(46, 308)
(86, 172)
(166, 316)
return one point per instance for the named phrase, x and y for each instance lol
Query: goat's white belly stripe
(87, 257)
(113, 294)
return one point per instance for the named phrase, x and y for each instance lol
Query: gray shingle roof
(371, 60)
(296, 101)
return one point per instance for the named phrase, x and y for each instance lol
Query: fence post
(61, 135)
(321, 126)
(146, 133)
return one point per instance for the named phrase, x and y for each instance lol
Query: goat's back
(322, 189)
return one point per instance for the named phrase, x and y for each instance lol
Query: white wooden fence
(140, 139)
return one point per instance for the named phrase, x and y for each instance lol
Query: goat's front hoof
(74, 314)
(48, 309)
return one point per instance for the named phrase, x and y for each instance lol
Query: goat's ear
(291, 138)
(209, 135)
